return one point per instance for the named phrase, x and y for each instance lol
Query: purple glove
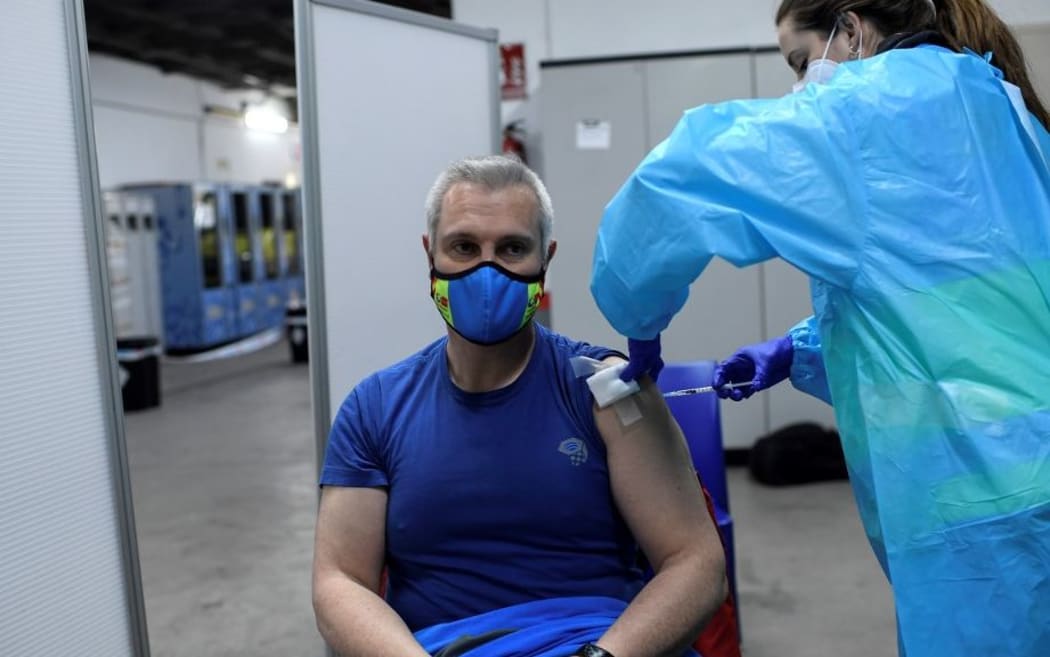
(764, 364)
(645, 359)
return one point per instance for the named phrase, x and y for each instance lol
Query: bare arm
(656, 490)
(348, 564)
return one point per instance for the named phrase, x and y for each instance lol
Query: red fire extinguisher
(514, 140)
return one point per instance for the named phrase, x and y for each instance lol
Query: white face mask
(819, 71)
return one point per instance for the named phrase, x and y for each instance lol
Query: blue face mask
(486, 304)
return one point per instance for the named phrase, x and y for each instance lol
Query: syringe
(698, 391)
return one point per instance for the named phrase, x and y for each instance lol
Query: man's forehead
(472, 207)
(475, 193)
(481, 233)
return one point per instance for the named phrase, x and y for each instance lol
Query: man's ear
(551, 250)
(426, 250)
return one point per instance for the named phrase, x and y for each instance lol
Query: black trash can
(139, 360)
(295, 326)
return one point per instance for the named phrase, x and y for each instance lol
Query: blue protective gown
(910, 193)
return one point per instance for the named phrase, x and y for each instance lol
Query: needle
(696, 391)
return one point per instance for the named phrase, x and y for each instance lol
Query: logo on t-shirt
(575, 449)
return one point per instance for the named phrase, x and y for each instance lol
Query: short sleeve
(579, 395)
(353, 457)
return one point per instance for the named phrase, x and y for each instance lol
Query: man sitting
(502, 504)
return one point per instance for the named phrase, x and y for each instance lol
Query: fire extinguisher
(514, 139)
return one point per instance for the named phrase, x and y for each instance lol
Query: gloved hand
(764, 364)
(644, 359)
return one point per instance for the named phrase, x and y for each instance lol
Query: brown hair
(973, 24)
(964, 23)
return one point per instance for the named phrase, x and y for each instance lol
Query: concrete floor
(224, 490)
(223, 483)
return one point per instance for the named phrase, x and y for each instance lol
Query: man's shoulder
(400, 376)
(408, 367)
(566, 348)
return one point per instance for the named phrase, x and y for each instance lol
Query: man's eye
(463, 248)
(515, 249)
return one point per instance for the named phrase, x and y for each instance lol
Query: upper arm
(655, 485)
(350, 539)
(351, 523)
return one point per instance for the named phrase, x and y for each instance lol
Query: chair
(699, 418)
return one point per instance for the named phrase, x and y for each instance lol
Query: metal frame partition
(106, 336)
(56, 604)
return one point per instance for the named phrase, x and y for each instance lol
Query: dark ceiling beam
(441, 8)
(173, 52)
(261, 56)
(219, 40)
(166, 21)
(200, 35)
(171, 60)
(282, 57)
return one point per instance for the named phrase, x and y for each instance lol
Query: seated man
(481, 476)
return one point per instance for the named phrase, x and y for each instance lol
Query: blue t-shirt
(495, 498)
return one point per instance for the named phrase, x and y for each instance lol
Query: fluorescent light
(265, 119)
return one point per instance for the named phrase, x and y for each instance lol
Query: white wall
(593, 28)
(1035, 42)
(518, 22)
(1019, 13)
(152, 127)
(564, 29)
(596, 28)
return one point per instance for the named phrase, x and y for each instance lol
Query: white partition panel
(388, 98)
(69, 581)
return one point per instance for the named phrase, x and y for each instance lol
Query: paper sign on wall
(593, 135)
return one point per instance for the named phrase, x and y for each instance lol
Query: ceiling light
(265, 119)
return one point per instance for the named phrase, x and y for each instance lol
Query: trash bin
(139, 360)
(295, 325)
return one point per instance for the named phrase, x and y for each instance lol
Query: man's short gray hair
(494, 172)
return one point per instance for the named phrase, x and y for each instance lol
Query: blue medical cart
(243, 203)
(274, 287)
(292, 247)
(196, 265)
